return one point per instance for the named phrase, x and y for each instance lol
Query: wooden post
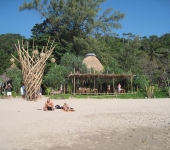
(74, 82)
(113, 84)
(94, 81)
(131, 81)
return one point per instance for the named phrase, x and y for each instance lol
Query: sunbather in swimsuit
(67, 108)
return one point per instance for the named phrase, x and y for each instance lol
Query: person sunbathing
(67, 108)
(49, 105)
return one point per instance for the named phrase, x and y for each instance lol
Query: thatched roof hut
(92, 62)
(4, 77)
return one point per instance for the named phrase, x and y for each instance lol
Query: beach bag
(58, 107)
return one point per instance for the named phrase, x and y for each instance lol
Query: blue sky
(142, 17)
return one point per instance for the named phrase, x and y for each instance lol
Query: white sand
(114, 124)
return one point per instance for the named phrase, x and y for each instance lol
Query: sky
(142, 17)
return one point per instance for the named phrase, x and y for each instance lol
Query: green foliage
(4, 61)
(149, 91)
(161, 94)
(70, 61)
(165, 40)
(100, 97)
(70, 87)
(136, 95)
(61, 96)
(55, 76)
(7, 48)
(47, 90)
(73, 31)
(7, 42)
(139, 81)
(15, 94)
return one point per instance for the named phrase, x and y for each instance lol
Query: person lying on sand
(49, 105)
(67, 108)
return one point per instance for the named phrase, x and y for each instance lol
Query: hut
(91, 61)
(4, 77)
(3, 81)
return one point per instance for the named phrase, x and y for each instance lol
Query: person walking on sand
(40, 93)
(9, 90)
(119, 88)
(49, 105)
(22, 90)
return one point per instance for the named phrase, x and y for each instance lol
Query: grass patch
(104, 96)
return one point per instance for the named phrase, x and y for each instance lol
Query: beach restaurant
(96, 82)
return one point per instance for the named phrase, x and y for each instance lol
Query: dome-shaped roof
(90, 54)
(92, 62)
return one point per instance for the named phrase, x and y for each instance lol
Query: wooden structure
(93, 63)
(110, 77)
(33, 65)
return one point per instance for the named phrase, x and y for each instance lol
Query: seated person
(67, 108)
(59, 92)
(48, 105)
(119, 88)
(56, 92)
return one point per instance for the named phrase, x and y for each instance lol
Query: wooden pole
(74, 82)
(113, 84)
(131, 81)
(94, 81)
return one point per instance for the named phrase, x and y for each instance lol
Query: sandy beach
(115, 124)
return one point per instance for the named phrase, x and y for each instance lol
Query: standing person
(119, 88)
(22, 90)
(9, 90)
(108, 88)
(40, 92)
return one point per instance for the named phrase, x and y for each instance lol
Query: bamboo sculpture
(33, 65)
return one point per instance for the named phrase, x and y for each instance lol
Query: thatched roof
(4, 77)
(13, 66)
(92, 62)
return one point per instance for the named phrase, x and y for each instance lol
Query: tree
(70, 61)
(165, 40)
(129, 56)
(151, 46)
(16, 76)
(55, 76)
(75, 19)
(7, 47)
